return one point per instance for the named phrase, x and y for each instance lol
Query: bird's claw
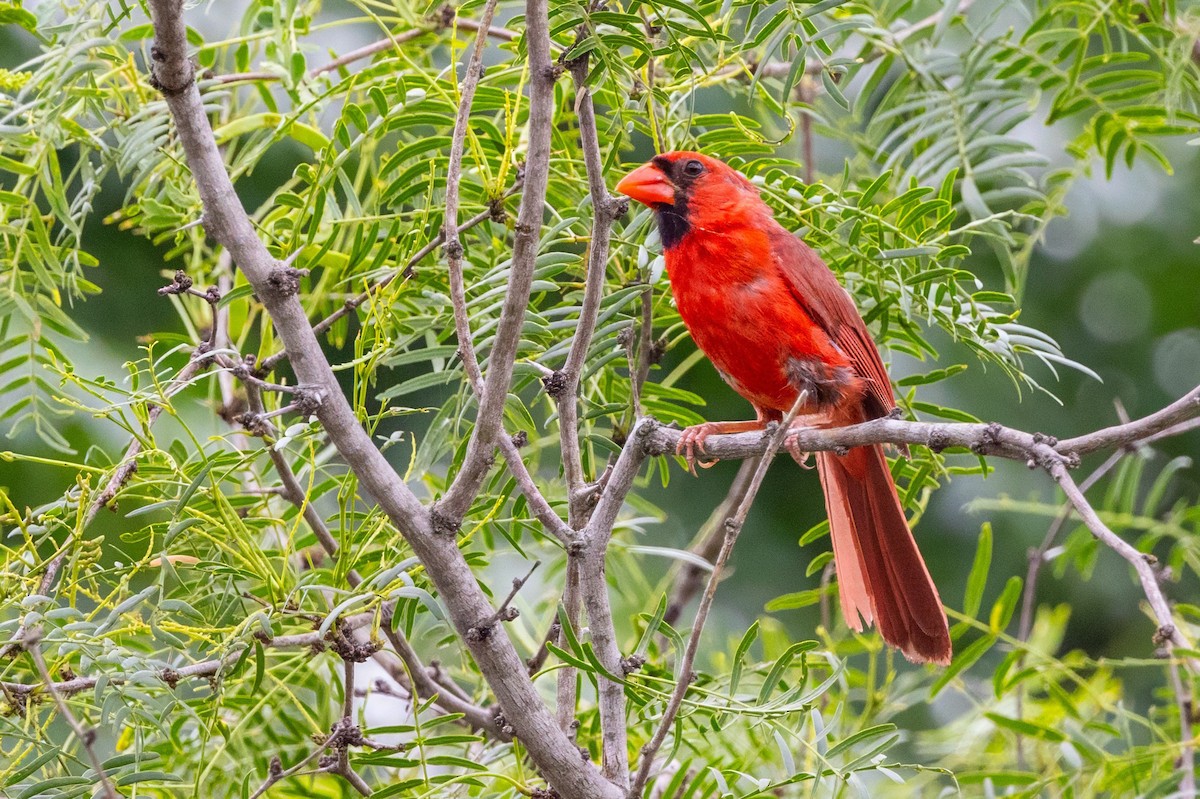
(792, 445)
(692, 440)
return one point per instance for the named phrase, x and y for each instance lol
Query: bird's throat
(673, 224)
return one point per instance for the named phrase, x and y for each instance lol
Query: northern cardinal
(774, 320)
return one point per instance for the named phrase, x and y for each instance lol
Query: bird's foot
(692, 440)
(792, 445)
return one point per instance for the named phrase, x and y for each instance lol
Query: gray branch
(277, 286)
(732, 527)
(542, 76)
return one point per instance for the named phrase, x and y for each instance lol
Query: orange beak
(648, 185)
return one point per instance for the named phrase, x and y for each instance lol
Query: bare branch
(605, 209)
(454, 248)
(733, 526)
(982, 439)
(128, 465)
(277, 285)
(366, 51)
(542, 76)
(1182, 410)
(172, 676)
(85, 736)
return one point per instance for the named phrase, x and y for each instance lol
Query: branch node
(502, 723)
(1164, 634)
(988, 439)
(443, 524)
(555, 384)
(307, 399)
(179, 284)
(171, 677)
(632, 663)
(454, 250)
(285, 280)
(186, 76)
(937, 441)
(345, 648)
(496, 211)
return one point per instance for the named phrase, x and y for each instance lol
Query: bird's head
(688, 190)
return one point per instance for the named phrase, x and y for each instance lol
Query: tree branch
(542, 76)
(198, 362)
(366, 51)
(277, 285)
(458, 294)
(565, 384)
(982, 439)
(85, 736)
(733, 526)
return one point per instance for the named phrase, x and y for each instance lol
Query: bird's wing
(817, 290)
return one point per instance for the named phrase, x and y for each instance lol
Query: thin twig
(366, 51)
(85, 736)
(454, 248)
(505, 612)
(470, 477)
(733, 526)
(605, 210)
(689, 578)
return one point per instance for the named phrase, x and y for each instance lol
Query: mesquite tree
(430, 359)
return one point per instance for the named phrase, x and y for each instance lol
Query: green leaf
(977, 578)
(859, 737)
(1002, 611)
(13, 14)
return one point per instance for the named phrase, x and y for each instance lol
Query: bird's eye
(693, 168)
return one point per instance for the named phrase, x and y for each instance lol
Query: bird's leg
(694, 436)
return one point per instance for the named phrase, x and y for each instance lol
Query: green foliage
(209, 563)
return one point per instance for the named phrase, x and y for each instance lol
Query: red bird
(774, 320)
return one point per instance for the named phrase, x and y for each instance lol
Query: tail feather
(881, 575)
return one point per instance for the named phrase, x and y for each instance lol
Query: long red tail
(881, 575)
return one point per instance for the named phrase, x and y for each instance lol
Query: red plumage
(774, 320)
